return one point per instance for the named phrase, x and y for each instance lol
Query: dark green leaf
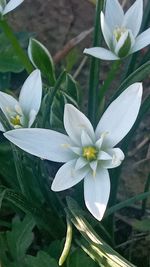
(41, 59)
(41, 260)
(21, 237)
(143, 225)
(79, 258)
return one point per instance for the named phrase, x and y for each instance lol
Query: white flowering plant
(62, 155)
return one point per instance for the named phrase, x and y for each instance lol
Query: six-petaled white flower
(7, 7)
(22, 113)
(120, 31)
(87, 154)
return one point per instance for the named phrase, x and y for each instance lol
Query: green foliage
(68, 92)
(41, 260)
(20, 237)
(100, 250)
(79, 258)
(143, 225)
(41, 59)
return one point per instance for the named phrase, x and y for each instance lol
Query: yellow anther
(90, 153)
(15, 120)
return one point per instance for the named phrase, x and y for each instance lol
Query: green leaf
(79, 258)
(41, 59)
(71, 59)
(71, 87)
(21, 237)
(2, 194)
(102, 251)
(137, 76)
(4, 81)
(68, 92)
(41, 260)
(7, 167)
(9, 60)
(143, 225)
(126, 203)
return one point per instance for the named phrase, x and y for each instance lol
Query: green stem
(95, 68)
(110, 78)
(19, 170)
(144, 202)
(16, 45)
(50, 97)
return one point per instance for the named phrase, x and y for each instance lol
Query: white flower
(22, 113)
(7, 7)
(120, 31)
(87, 154)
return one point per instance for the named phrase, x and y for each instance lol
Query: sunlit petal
(75, 122)
(120, 116)
(31, 93)
(46, 144)
(67, 176)
(96, 192)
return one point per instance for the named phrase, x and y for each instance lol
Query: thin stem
(110, 78)
(19, 170)
(146, 188)
(95, 68)
(16, 45)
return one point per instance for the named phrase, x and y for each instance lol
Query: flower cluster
(87, 154)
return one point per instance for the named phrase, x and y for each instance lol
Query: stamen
(16, 120)
(90, 153)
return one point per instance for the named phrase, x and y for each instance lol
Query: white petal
(142, 41)
(133, 17)
(85, 139)
(99, 142)
(96, 192)
(93, 165)
(105, 30)
(104, 156)
(76, 150)
(2, 129)
(46, 144)
(117, 158)
(101, 53)
(7, 104)
(75, 122)
(31, 93)
(114, 14)
(120, 116)
(32, 117)
(12, 4)
(80, 163)
(67, 177)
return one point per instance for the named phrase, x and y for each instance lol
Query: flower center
(15, 120)
(90, 153)
(118, 32)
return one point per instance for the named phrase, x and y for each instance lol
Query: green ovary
(90, 153)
